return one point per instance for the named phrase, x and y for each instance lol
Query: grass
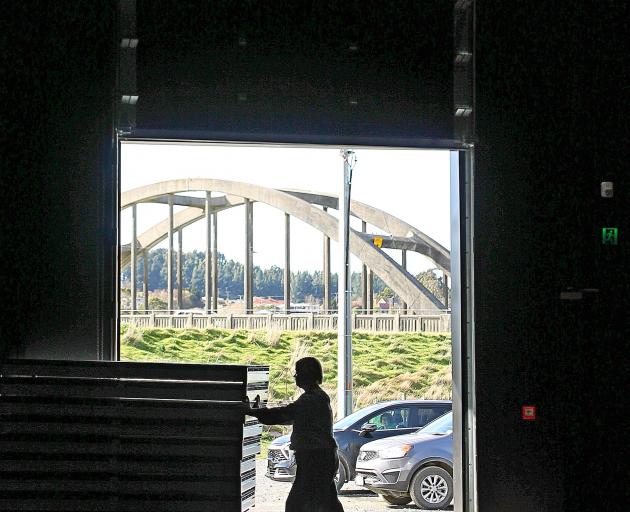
(386, 366)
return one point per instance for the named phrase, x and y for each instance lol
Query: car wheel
(340, 477)
(432, 488)
(396, 500)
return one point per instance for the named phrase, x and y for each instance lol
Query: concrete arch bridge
(309, 207)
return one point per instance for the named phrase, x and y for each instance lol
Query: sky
(413, 185)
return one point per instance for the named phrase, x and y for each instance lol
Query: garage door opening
(229, 254)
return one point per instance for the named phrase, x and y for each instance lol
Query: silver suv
(416, 466)
(377, 421)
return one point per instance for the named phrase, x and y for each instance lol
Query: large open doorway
(267, 263)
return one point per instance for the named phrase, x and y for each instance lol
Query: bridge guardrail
(376, 322)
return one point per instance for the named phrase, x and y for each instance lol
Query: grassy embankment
(386, 365)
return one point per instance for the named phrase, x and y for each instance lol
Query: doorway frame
(462, 272)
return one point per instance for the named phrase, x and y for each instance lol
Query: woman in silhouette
(312, 441)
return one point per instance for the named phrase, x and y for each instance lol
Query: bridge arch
(295, 203)
(401, 234)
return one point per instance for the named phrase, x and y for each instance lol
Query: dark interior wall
(57, 178)
(551, 100)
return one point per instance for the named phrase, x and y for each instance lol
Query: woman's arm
(274, 415)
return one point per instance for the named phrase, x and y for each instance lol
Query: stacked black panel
(111, 436)
(257, 390)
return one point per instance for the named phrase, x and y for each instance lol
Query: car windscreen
(355, 416)
(441, 425)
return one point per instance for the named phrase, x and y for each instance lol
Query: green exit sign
(609, 236)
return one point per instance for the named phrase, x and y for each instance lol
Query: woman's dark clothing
(311, 417)
(314, 487)
(315, 451)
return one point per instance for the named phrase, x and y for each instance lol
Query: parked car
(416, 467)
(378, 421)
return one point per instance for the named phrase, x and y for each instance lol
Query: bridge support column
(215, 272)
(287, 262)
(445, 290)
(169, 255)
(145, 280)
(370, 292)
(134, 258)
(208, 267)
(180, 281)
(404, 265)
(326, 271)
(364, 275)
(248, 291)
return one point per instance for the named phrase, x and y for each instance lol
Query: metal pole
(249, 256)
(215, 273)
(326, 271)
(145, 280)
(180, 281)
(287, 262)
(134, 258)
(344, 341)
(364, 275)
(208, 266)
(169, 255)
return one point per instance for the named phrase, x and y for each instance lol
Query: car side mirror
(366, 428)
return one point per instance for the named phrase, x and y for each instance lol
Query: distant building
(268, 301)
(306, 307)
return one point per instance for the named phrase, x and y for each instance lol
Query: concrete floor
(270, 496)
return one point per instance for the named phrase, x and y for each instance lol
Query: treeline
(305, 286)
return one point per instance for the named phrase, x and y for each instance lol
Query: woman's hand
(245, 407)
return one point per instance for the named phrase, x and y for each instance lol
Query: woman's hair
(311, 369)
